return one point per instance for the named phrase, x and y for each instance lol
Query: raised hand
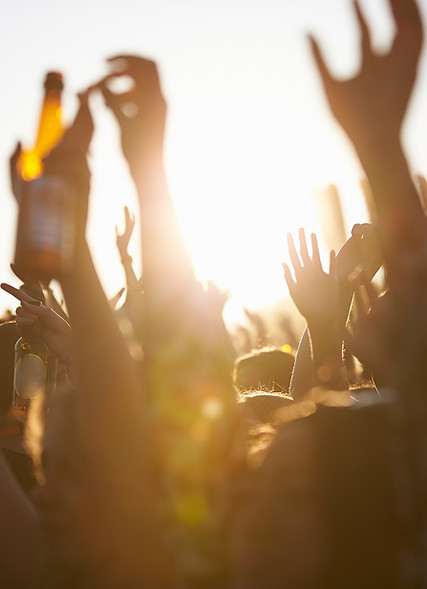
(69, 156)
(377, 97)
(122, 240)
(140, 111)
(314, 292)
(54, 330)
(361, 250)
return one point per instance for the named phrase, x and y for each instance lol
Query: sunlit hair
(266, 369)
(264, 404)
(267, 413)
(258, 411)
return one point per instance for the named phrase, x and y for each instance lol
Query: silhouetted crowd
(162, 450)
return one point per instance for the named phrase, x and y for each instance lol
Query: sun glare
(235, 222)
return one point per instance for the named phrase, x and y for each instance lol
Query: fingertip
(314, 47)
(311, 40)
(286, 272)
(355, 231)
(32, 305)
(17, 150)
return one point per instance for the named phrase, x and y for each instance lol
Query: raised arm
(111, 391)
(361, 251)
(172, 296)
(315, 293)
(371, 107)
(187, 351)
(141, 114)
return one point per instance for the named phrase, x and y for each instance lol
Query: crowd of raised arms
(168, 458)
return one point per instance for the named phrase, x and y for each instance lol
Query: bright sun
(239, 184)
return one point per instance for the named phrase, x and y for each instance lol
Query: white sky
(249, 132)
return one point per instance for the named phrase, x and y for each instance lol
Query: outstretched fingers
(315, 249)
(332, 263)
(364, 30)
(19, 294)
(293, 254)
(137, 67)
(288, 277)
(328, 79)
(129, 221)
(112, 101)
(305, 257)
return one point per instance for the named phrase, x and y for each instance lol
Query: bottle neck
(49, 133)
(50, 128)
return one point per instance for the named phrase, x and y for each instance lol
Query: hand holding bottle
(68, 158)
(53, 207)
(54, 330)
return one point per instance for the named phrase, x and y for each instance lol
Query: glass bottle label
(30, 376)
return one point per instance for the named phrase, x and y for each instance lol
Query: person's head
(278, 537)
(320, 509)
(258, 407)
(268, 369)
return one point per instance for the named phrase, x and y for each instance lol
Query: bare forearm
(164, 255)
(328, 365)
(401, 218)
(131, 278)
(104, 366)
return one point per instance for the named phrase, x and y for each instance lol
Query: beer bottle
(45, 232)
(30, 377)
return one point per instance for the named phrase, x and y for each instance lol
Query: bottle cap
(53, 81)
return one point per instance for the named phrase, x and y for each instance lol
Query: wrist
(126, 259)
(330, 325)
